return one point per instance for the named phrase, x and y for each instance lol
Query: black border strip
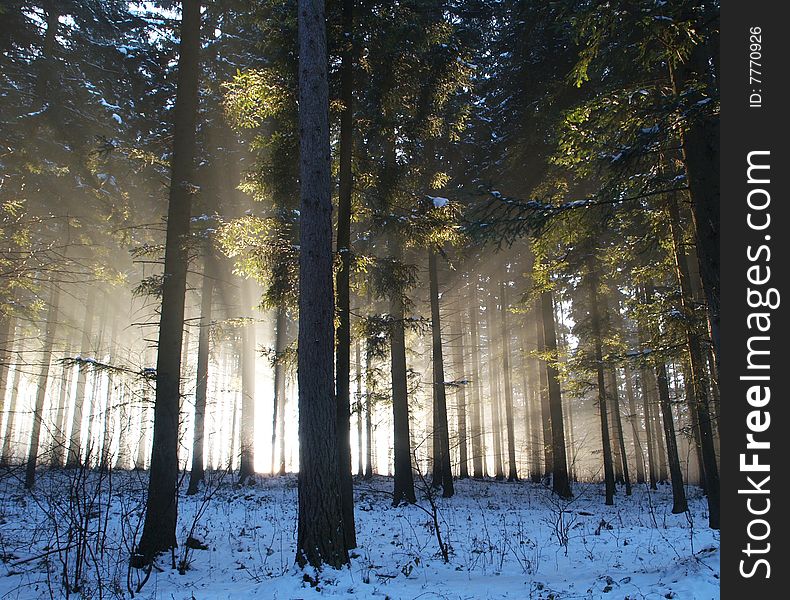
(746, 128)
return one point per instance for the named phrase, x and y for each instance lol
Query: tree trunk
(7, 328)
(359, 409)
(699, 378)
(478, 448)
(248, 350)
(618, 427)
(543, 379)
(159, 528)
(320, 534)
(404, 479)
(632, 418)
(658, 431)
(602, 403)
(442, 471)
(201, 391)
(109, 409)
(75, 443)
(10, 424)
(460, 396)
(43, 379)
(560, 482)
(278, 409)
(343, 348)
(678, 492)
(510, 424)
(370, 390)
(531, 404)
(647, 401)
(59, 441)
(493, 386)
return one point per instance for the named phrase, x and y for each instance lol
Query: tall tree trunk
(43, 379)
(678, 492)
(618, 427)
(543, 379)
(159, 528)
(478, 448)
(647, 401)
(699, 378)
(278, 409)
(460, 395)
(91, 454)
(320, 533)
(694, 419)
(360, 410)
(248, 350)
(658, 430)
(343, 348)
(632, 419)
(142, 445)
(404, 479)
(75, 443)
(201, 391)
(617, 457)
(370, 390)
(59, 442)
(10, 424)
(493, 386)
(442, 471)
(510, 424)
(7, 328)
(125, 424)
(595, 319)
(560, 482)
(109, 409)
(531, 403)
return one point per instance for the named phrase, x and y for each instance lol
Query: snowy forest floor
(506, 540)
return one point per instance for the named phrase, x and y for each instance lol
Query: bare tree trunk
(678, 492)
(75, 443)
(510, 424)
(370, 390)
(343, 349)
(647, 401)
(10, 424)
(460, 395)
(109, 409)
(248, 350)
(531, 379)
(197, 472)
(699, 378)
(560, 482)
(43, 379)
(618, 422)
(543, 379)
(602, 403)
(442, 471)
(7, 328)
(478, 448)
(59, 443)
(320, 534)
(159, 528)
(493, 386)
(278, 412)
(360, 411)
(632, 418)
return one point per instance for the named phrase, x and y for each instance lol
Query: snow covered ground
(506, 540)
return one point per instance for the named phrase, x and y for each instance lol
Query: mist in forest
(397, 245)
